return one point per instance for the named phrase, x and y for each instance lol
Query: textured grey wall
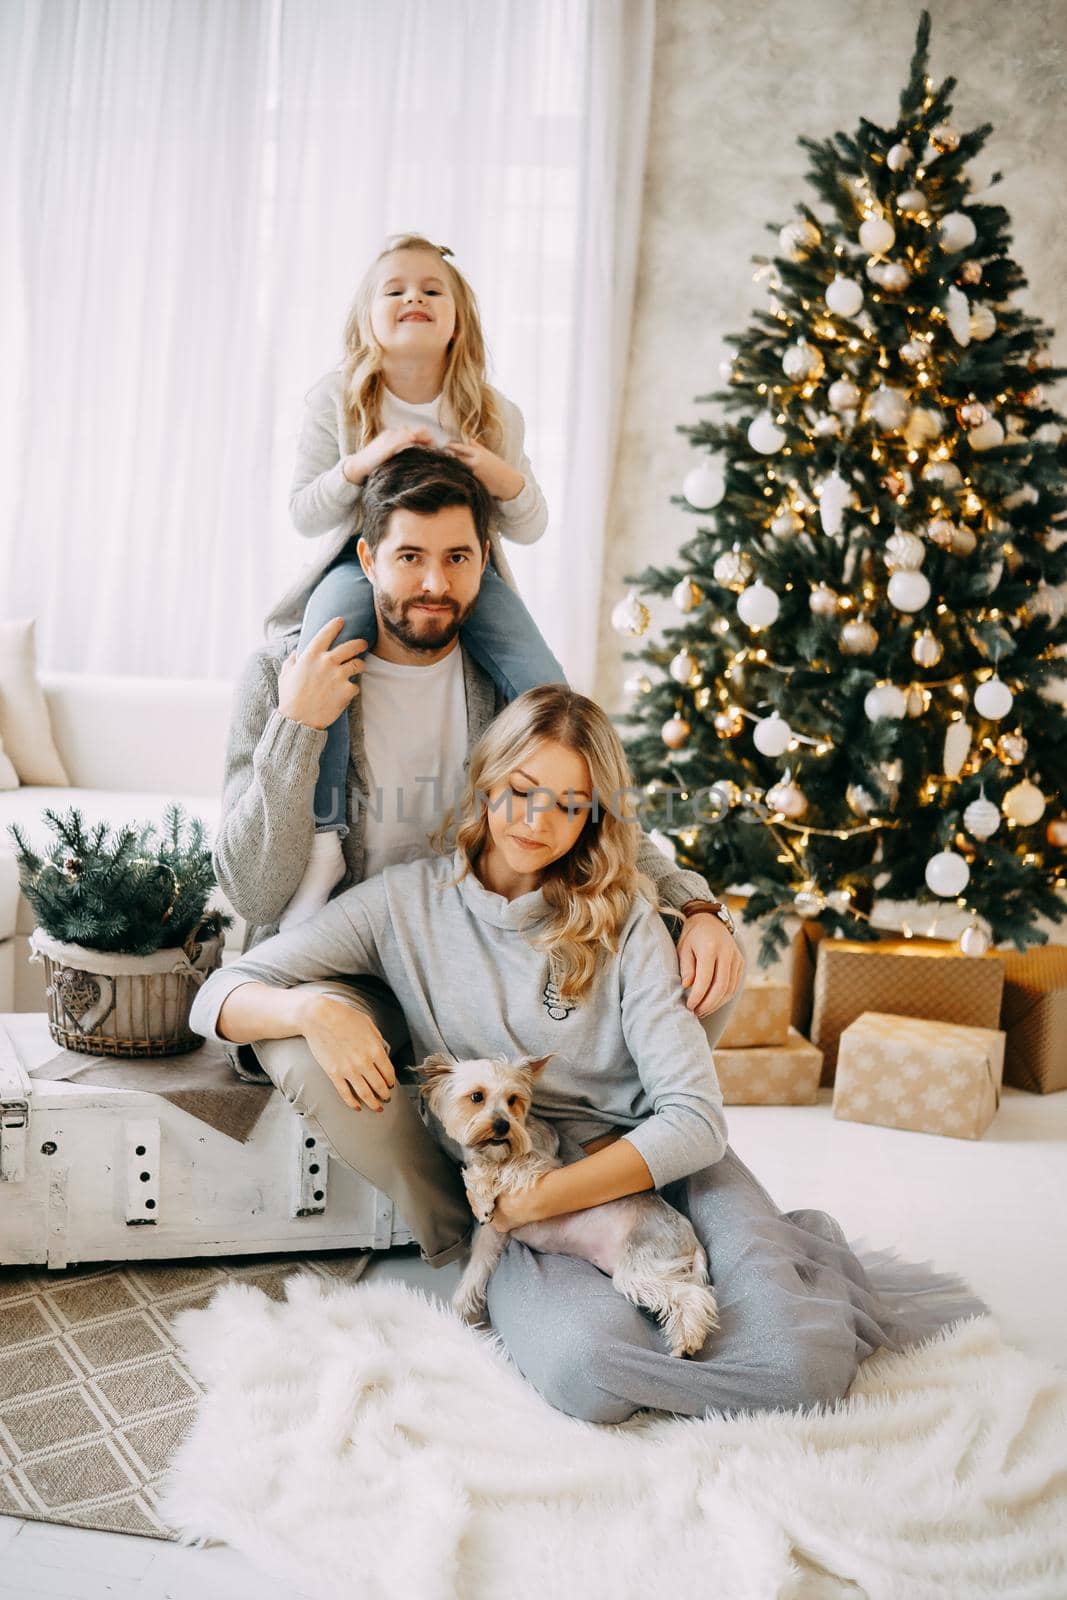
(735, 83)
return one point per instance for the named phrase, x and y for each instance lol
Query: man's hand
(502, 481)
(315, 685)
(349, 1049)
(710, 963)
(358, 466)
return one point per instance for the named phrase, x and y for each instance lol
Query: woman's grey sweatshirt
(628, 1054)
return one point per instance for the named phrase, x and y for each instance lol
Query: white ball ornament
(983, 323)
(993, 699)
(889, 407)
(772, 735)
(1024, 804)
(787, 798)
(895, 277)
(686, 595)
(803, 361)
(844, 296)
(987, 436)
(858, 638)
(828, 426)
(675, 732)
(757, 606)
(843, 395)
(975, 940)
(637, 683)
(981, 818)
(835, 495)
(923, 425)
(630, 616)
(926, 651)
(911, 202)
(704, 486)
(885, 700)
(946, 473)
(898, 157)
(908, 591)
(732, 569)
(764, 434)
(957, 231)
(877, 235)
(947, 874)
(904, 552)
(786, 524)
(798, 239)
(683, 668)
(822, 601)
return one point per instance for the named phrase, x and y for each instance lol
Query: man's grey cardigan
(272, 765)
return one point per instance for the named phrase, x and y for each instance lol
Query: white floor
(992, 1210)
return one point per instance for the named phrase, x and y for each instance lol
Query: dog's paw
(481, 1194)
(469, 1305)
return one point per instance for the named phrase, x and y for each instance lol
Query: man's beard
(436, 632)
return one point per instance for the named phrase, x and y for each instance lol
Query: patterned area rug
(95, 1396)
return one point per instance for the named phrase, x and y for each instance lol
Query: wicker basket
(104, 1003)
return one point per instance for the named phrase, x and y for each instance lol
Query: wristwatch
(715, 907)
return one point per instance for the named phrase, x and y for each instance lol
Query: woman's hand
(502, 481)
(710, 963)
(358, 467)
(349, 1049)
(516, 1209)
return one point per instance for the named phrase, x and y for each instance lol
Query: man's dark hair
(423, 481)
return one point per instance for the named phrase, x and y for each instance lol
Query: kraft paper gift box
(928, 1077)
(1034, 1017)
(906, 977)
(760, 1017)
(775, 1075)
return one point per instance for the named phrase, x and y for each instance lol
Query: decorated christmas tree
(861, 698)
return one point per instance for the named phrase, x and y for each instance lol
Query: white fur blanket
(361, 1441)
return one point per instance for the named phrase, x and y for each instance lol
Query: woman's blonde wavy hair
(466, 392)
(591, 889)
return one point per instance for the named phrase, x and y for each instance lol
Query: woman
(537, 936)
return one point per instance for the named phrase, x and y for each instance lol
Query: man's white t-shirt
(415, 735)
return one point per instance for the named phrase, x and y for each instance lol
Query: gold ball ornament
(686, 595)
(786, 524)
(1011, 749)
(918, 701)
(963, 541)
(822, 601)
(1056, 833)
(1025, 804)
(858, 638)
(728, 722)
(897, 483)
(926, 649)
(941, 532)
(944, 138)
(630, 616)
(970, 272)
(732, 569)
(894, 277)
(912, 352)
(675, 732)
(720, 798)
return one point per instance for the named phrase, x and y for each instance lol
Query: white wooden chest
(89, 1173)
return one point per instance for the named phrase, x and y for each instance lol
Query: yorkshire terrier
(648, 1249)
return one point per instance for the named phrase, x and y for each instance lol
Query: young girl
(414, 373)
(537, 937)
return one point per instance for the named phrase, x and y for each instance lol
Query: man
(416, 704)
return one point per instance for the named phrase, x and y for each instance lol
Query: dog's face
(482, 1105)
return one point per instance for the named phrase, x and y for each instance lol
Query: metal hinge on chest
(14, 1131)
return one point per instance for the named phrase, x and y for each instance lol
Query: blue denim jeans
(500, 634)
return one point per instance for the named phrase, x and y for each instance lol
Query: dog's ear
(433, 1072)
(536, 1064)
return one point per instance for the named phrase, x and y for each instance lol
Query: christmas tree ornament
(1026, 496)
(684, 669)
(786, 524)
(973, 413)
(757, 606)
(675, 732)
(908, 591)
(728, 722)
(912, 352)
(986, 437)
(1056, 832)
(922, 426)
(732, 569)
(963, 541)
(828, 427)
(911, 201)
(720, 798)
(983, 323)
(835, 496)
(945, 474)
(947, 874)
(918, 701)
(898, 157)
(1015, 426)
(926, 649)
(803, 360)
(956, 232)
(686, 595)
(877, 235)
(904, 552)
(1034, 396)
(844, 296)
(822, 601)
(787, 798)
(1011, 749)
(839, 900)
(808, 903)
(860, 801)
(957, 747)
(974, 940)
(637, 683)
(940, 532)
(1047, 600)
(630, 616)
(981, 818)
(798, 239)
(764, 435)
(858, 638)
(704, 486)
(772, 735)
(72, 866)
(898, 484)
(894, 276)
(992, 700)
(843, 395)
(958, 315)
(970, 272)
(702, 698)
(1025, 804)
(884, 700)
(889, 408)
(944, 138)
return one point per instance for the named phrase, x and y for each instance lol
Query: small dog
(648, 1249)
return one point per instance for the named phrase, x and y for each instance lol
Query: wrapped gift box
(1034, 1017)
(906, 977)
(929, 1077)
(760, 1017)
(775, 1075)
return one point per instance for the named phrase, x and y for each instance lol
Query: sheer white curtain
(190, 193)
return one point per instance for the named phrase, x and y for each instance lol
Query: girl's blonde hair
(466, 393)
(590, 890)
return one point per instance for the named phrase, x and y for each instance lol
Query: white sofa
(129, 746)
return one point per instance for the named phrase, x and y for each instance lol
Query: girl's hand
(502, 481)
(358, 467)
(516, 1209)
